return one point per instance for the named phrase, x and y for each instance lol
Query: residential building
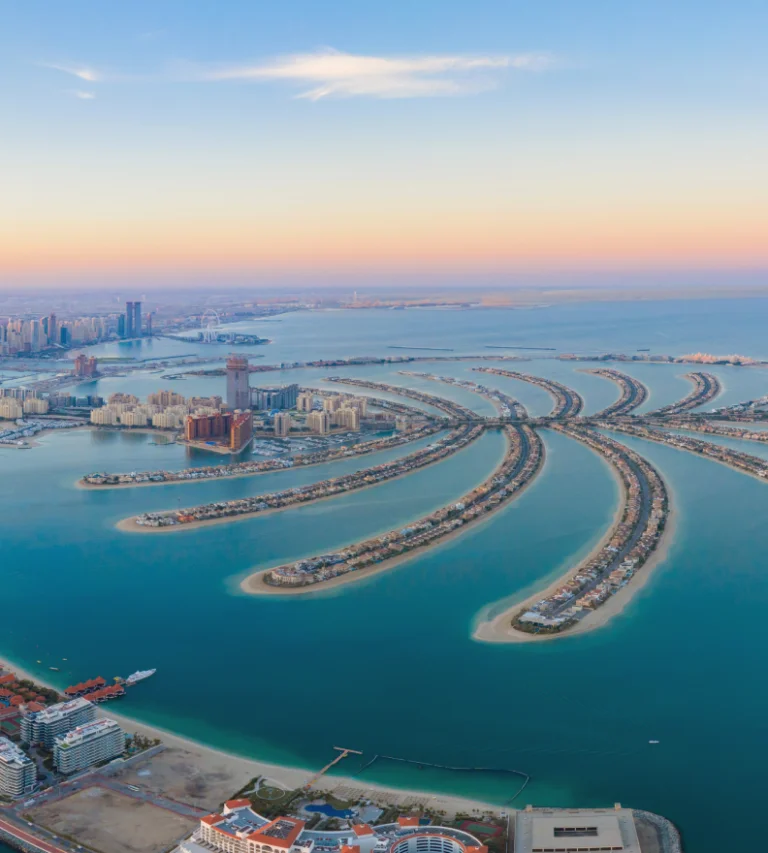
(238, 390)
(87, 745)
(201, 427)
(18, 774)
(34, 406)
(10, 409)
(43, 727)
(105, 416)
(165, 399)
(277, 397)
(305, 401)
(137, 319)
(347, 418)
(283, 423)
(241, 430)
(319, 422)
(129, 319)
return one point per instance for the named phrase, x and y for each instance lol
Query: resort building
(239, 829)
(566, 830)
(18, 775)
(99, 740)
(347, 418)
(43, 727)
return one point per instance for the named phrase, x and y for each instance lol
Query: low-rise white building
(87, 745)
(565, 830)
(18, 774)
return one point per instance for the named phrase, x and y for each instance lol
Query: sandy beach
(254, 584)
(223, 773)
(129, 525)
(500, 630)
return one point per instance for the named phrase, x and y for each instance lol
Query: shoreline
(499, 629)
(253, 585)
(129, 525)
(288, 776)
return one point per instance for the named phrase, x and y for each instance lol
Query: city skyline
(162, 144)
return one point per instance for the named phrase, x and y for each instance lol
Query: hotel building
(18, 774)
(239, 829)
(43, 727)
(99, 740)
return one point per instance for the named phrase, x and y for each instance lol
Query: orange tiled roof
(270, 834)
(408, 821)
(361, 829)
(237, 804)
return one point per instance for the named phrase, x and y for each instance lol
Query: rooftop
(585, 830)
(79, 735)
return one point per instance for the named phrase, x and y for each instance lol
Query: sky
(164, 140)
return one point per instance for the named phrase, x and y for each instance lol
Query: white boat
(652, 741)
(139, 676)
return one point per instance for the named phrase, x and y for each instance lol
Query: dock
(343, 753)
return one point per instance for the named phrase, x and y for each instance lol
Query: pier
(343, 753)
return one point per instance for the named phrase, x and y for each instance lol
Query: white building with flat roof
(18, 774)
(576, 831)
(45, 726)
(99, 740)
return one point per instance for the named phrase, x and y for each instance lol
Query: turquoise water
(683, 664)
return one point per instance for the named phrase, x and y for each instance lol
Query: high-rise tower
(238, 392)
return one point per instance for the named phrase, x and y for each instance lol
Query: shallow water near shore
(388, 666)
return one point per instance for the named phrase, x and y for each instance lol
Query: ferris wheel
(210, 325)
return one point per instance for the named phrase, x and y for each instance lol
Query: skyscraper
(129, 319)
(137, 319)
(52, 329)
(238, 392)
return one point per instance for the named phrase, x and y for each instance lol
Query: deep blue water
(388, 665)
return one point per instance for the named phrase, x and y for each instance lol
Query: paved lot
(111, 822)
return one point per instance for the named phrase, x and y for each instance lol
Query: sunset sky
(168, 138)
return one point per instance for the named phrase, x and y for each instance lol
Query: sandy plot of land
(110, 822)
(180, 775)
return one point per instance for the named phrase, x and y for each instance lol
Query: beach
(221, 774)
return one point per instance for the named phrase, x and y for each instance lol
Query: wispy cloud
(81, 94)
(80, 71)
(332, 73)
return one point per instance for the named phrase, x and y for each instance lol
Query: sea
(388, 665)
